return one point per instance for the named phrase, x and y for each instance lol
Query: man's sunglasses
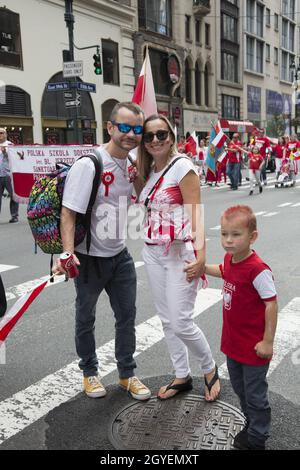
(160, 135)
(125, 128)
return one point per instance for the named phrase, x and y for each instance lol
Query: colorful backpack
(44, 207)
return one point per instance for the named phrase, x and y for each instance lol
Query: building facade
(33, 35)
(180, 36)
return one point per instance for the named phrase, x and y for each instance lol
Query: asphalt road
(43, 341)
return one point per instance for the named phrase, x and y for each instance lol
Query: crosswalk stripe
(296, 205)
(285, 204)
(31, 404)
(21, 289)
(287, 336)
(7, 267)
(270, 214)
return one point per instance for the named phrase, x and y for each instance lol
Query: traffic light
(97, 64)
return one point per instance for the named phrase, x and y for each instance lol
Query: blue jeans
(233, 171)
(117, 276)
(250, 385)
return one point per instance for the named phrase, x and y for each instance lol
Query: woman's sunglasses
(161, 136)
(125, 128)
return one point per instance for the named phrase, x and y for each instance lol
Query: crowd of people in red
(257, 152)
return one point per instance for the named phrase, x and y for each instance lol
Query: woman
(278, 151)
(169, 256)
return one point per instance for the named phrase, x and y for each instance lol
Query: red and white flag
(144, 94)
(220, 138)
(18, 309)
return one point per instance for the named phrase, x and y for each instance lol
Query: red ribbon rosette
(132, 173)
(107, 180)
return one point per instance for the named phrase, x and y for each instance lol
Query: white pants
(254, 174)
(278, 162)
(174, 299)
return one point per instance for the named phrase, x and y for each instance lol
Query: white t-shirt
(166, 220)
(109, 214)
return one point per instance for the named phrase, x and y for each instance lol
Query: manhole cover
(185, 423)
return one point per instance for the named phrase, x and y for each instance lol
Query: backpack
(45, 203)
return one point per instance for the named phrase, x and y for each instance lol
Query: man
(234, 161)
(5, 181)
(263, 143)
(108, 265)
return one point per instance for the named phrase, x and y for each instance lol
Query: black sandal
(184, 387)
(212, 383)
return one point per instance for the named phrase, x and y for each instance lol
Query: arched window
(188, 82)
(206, 85)
(198, 83)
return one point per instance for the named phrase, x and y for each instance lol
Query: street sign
(68, 95)
(74, 102)
(73, 69)
(83, 86)
(58, 86)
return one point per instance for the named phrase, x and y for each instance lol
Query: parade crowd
(259, 154)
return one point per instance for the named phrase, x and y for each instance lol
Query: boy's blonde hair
(244, 212)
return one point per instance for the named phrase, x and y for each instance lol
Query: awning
(237, 126)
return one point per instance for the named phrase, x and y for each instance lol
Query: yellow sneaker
(135, 388)
(93, 387)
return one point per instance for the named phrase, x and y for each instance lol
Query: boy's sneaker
(13, 220)
(93, 387)
(135, 388)
(260, 189)
(251, 193)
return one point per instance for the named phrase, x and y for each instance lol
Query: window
(260, 20)
(110, 57)
(188, 83)
(198, 84)
(161, 77)
(268, 52)
(230, 107)
(156, 15)
(259, 56)
(198, 31)
(229, 67)
(250, 15)
(284, 37)
(276, 57)
(206, 86)
(187, 27)
(207, 34)
(292, 10)
(292, 37)
(284, 66)
(285, 7)
(10, 39)
(268, 17)
(276, 22)
(229, 28)
(250, 53)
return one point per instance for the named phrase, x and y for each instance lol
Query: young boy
(249, 322)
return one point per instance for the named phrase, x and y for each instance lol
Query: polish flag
(191, 145)
(18, 309)
(144, 94)
(220, 138)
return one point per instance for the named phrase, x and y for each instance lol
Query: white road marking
(287, 336)
(217, 227)
(260, 213)
(285, 204)
(21, 289)
(7, 267)
(296, 205)
(31, 404)
(270, 214)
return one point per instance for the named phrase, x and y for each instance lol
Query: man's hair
(244, 212)
(133, 107)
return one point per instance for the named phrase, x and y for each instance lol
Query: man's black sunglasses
(161, 136)
(125, 128)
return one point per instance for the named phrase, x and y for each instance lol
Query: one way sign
(75, 102)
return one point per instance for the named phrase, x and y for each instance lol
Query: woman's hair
(145, 160)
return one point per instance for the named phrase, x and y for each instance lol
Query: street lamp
(295, 69)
